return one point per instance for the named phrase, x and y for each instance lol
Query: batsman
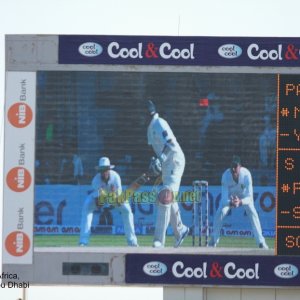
(172, 161)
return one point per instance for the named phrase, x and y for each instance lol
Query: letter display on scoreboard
(71, 99)
(288, 186)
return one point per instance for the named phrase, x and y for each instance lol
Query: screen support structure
(18, 49)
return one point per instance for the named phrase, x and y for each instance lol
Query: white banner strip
(19, 151)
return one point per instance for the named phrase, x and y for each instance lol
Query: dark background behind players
(103, 113)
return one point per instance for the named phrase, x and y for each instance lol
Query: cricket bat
(135, 185)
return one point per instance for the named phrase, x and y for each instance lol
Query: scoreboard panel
(288, 162)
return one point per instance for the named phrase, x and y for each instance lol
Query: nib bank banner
(211, 270)
(58, 211)
(18, 187)
(171, 50)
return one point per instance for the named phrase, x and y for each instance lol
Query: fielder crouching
(237, 190)
(107, 188)
(172, 160)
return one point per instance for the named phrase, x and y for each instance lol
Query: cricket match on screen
(158, 145)
(115, 171)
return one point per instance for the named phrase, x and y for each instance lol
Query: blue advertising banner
(172, 50)
(58, 211)
(164, 269)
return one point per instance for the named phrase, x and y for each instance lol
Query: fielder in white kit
(237, 190)
(106, 186)
(171, 157)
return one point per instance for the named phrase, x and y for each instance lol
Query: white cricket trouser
(88, 209)
(172, 170)
(251, 213)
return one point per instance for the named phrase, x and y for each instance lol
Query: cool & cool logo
(155, 268)
(230, 51)
(230, 271)
(90, 49)
(286, 271)
(290, 52)
(254, 52)
(164, 51)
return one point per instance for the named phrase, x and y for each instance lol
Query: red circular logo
(18, 179)
(20, 115)
(17, 243)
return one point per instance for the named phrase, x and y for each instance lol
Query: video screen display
(83, 116)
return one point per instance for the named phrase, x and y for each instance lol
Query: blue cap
(151, 108)
(236, 160)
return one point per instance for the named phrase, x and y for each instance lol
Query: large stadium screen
(177, 156)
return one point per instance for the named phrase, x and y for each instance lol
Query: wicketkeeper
(171, 158)
(107, 188)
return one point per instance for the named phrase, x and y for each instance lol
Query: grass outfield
(143, 240)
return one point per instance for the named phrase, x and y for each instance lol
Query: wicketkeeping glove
(102, 197)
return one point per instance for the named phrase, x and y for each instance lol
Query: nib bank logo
(18, 179)
(17, 243)
(20, 115)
